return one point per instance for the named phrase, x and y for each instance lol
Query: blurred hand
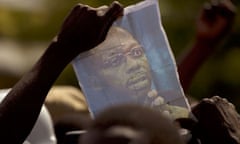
(215, 20)
(213, 24)
(85, 27)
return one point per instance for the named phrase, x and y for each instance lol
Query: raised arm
(213, 24)
(84, 28)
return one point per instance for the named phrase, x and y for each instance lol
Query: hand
(215, 20)
(85, 27)
(213, 24)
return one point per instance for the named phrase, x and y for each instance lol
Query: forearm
(192, 60)
(82, 30)
(21, 107)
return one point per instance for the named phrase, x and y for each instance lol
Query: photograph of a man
(134, 64)
(123, 66)
(123, 72)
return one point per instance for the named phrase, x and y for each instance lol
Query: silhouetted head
(131, 124)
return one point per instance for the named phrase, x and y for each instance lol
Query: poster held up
(134, 64)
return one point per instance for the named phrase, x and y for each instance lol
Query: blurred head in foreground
(131, 124)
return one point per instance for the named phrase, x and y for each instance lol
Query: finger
(102, 10)
(186, 123)
(217, 8)
(87, 13)
(114, 11)
(72, 16)
(208, 11)
(225, 12)
(215, 2)
(227, 3)
(223, 7)
(227, 8)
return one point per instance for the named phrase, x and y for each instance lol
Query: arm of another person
(213, 24)
(82, 30)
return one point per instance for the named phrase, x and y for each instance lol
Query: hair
(139, 125)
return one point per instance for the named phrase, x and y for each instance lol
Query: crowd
(84, 28)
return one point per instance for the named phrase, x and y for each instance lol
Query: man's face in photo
(125, 66)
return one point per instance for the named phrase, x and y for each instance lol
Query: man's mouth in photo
(138, 81)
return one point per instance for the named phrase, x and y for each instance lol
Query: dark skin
(82, 30)
(213, 24)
